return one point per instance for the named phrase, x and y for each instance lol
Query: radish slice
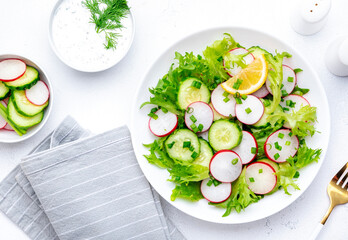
(164, 125)
(225, 166)
(2, 122)
(216, 194)
(199, 116)
(234, 70)
(260, 177)
(11, 69)
(289, 80)
(262, 92)
(281, 145)
(250, 111)
(8, 127)
(4, 102)
(223, 102)
(293, 103)
(38, 94)
(247, 149)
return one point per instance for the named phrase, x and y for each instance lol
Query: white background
(101, 101)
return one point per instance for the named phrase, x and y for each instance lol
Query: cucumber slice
(263, 122)
(22, 121)
(29, 78)
(4, 91)
(175, 146)
(205, 155)
(224, 134)
(23, 106)
(188, 94)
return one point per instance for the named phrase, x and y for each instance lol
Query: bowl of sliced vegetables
(234, 127)
(25, 98)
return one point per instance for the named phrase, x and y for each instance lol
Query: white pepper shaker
(336, 57)
(309, 16)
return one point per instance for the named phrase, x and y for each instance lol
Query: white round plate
(11, 136)
(74, 40)
(197, 43)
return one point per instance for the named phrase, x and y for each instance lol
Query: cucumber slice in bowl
(183, 146)
(29, 78)
(23, 106)
(224, 134)
(192, 90)
(4, 91)
(22, 121)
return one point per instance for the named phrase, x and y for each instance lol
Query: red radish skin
(257, 110)
(202, 112)
(10, 73)
(244, 148)
(216, 194)
(267, 175)
(170, 126)
(221, 167)
(8, 127)
(287, 151)
(226, 109)
(288, 86)
(32, 94)
(248, 59)
(262, 92)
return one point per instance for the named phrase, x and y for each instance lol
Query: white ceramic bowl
(13, 137)
(197, 43)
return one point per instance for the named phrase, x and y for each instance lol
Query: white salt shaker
(336, 57)
(309, 16)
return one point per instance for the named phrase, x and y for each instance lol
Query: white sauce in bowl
(77, 43)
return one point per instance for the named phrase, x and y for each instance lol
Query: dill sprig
(107, 16)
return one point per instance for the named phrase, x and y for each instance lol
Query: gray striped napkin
(90, 188)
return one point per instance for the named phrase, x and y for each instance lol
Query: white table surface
(98, 100)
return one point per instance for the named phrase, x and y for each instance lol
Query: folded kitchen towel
(91, 188)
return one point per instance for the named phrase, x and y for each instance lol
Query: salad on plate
(231, 125)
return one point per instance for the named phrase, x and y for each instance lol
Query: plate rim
(288, 46)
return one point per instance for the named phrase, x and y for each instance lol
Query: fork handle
(316, 232)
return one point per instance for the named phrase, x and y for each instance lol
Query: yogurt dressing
(77, 43)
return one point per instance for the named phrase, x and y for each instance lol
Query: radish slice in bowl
(11, 69)
(8, 127)
(38, 94)
(199, 116)
(250, 110)
(223, 102)
(260, 177)
(281, 145)
(235, 69)
(262, 92)
(3, 122)
(289, 80)
(215, 194)
(293, 103)
(164, 125)
(225, 166)
(247, 149)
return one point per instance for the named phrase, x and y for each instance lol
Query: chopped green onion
(290, 103)
(281, 86)
(194, 155)
(266, 102)
(286, 109)
(277, 146)
(253, 150)
(226, 99)
(290, 134)
(297, 174)
(238, 101)
(196, 84)
(164, 110)
(297, 70)
(280, 135)
(260, 170)
(276, 156)
(216, 182)
(225, 94)
(152, 115)
(244, 97)
(153, 110)
(186, 144)
(191, 148)
(237, 84)
(209, 183)
(290, 79)
(251, 179)
(170, 145)
(248, 110)
(284, 93)
(287, 143)
(189, 110)
(200, 127)
(194, 128)
(234, 161)
(237, 95)
(193, 119)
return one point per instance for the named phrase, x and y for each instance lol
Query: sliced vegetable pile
(231, 125)
(23, 96)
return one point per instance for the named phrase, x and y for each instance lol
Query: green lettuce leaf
(241, 196)
(190, 191)
(158, 155)
(300, 91)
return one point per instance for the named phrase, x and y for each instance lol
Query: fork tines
(341, 177)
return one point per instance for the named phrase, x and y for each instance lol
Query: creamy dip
(79, 45)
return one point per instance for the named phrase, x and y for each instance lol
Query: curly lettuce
(190, 191)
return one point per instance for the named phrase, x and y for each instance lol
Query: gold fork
(338, 194)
